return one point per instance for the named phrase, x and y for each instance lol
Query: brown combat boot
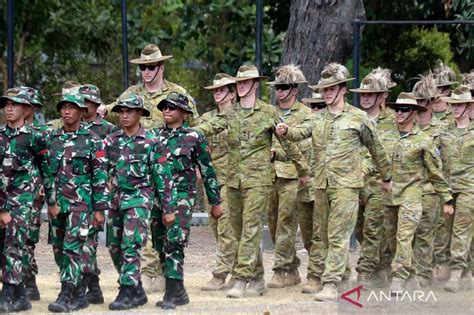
(441, 273)
(215, 284)
(277, 281)
(292, 278)
(238, 290)
(327, 294)
(256, 287)
(364, 279)
(313, 285)
(454, 282)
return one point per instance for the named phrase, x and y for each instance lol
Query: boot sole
(58, 309)
(114, 308)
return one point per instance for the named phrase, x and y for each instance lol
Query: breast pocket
(137, 168)
(182, 159)
(22, 163)
(80, 164)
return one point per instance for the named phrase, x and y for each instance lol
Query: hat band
(72, 90)
(248, 74)
(317, 95)
(330, 80)
(406, 101)
(223, 82)
(155, 55)
(461, 97)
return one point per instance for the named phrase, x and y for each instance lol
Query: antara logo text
(353, 296)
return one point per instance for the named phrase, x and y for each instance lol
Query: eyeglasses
(283, 87)
(318, 105)
(403, 109)
(170, 107)
(149, 67)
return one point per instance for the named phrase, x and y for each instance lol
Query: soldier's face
(151, 72)
(14, 112)
(403, 116)
(367, 100)
(173, 115)
(439, 106)
(70, 113)
(129, 117)
(223, 94)
(244, 87)
(91, 109)
(461, 110)
(334, 94)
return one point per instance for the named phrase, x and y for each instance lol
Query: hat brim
(140, 61)
(95, 101)
(261, 77)
(4, 99)
(164, 102)
(329, 84)
(359, 90)
(418, 108)
(446, 84)
(312, 100)
(213, 87)
(272, 83)
(116, 109)
(60, 103)
(453, 101)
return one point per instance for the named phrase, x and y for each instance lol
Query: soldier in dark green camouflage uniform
(102, 128)
(22, 150)
(187, 149)
(137, 168)
(78, 162)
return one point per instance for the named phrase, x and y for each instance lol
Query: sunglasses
(402, 109)
(149, 67)
(318, 106)
(283, 87)
(170, 107)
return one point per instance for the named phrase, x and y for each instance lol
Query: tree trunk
(320, 32)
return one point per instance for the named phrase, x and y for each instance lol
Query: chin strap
(222, 99)
(335, 98)
(253, 83)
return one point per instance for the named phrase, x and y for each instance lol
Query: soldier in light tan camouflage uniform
(282, 210)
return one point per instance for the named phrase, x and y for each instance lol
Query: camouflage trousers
(305, 221)
(401, 224)
(283, 223)
(336, 215)
(441, 242)
(89, 250)
(226, 246)
(127, 232)
(247, 207)
(12, 246)
(460, 228)
(170, 241)
(424, 236)
(33, 237)
(68, 234)
(372, 230)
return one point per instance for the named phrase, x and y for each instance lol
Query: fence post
(124, 44)
(356, 57)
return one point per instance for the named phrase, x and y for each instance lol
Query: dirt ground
(198, 267)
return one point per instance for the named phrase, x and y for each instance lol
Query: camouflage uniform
(23, 152)
(282, 210)
(338, 179)
(78, 163)
(226, 249)
(187, 149)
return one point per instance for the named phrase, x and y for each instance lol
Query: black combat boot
(61, 305)
(31, 288)
(171, 289)
(94, 295)
(79, 299)
(124, 299)
(7, 297)
(21, 302)
(139, 296)
(181, 297)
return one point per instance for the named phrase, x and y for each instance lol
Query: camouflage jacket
(186, 150)
(457, 154)
(79, 165)
(152, 99)
(337, 144)
(284, 168)
(446, 118)
(45, 131)
(219, 148)
(21, 151)
(101, 127)
(138, 171)
(414, 159)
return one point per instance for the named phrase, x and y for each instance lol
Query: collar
(415, 131)
(164, 87)
(140, 134)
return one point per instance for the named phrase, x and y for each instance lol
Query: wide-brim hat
(315, 98)
(461, 94)
(132, 101)
(378, 80)
(75, 99)
(248, 72)
(288, 74)
(177, 99)
(220, 80)
(34, 95)
(406, 99)
(150, 54)
(444, 75)
(332, 74)
(91, 93)
(16, 95)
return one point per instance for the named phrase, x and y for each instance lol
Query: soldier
(225, 93)
(414, 159)
(457, 153)
(445, 78)
(137, 168)
(188, 150)
(338, 138)
(69, 87)
(78, 163)
(22, 149)
(373, 91)
(426, 93)
(102, 129)
(282, 208)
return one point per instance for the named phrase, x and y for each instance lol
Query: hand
(281, 129)
(303, 180)
(387, 186)
(5, 219)
(272, 154)
(448, 210)
(198, 176)
(102, 111)
(168, 219)
(41, 192)
(98, 220)
(216, 211)
(53, 211)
